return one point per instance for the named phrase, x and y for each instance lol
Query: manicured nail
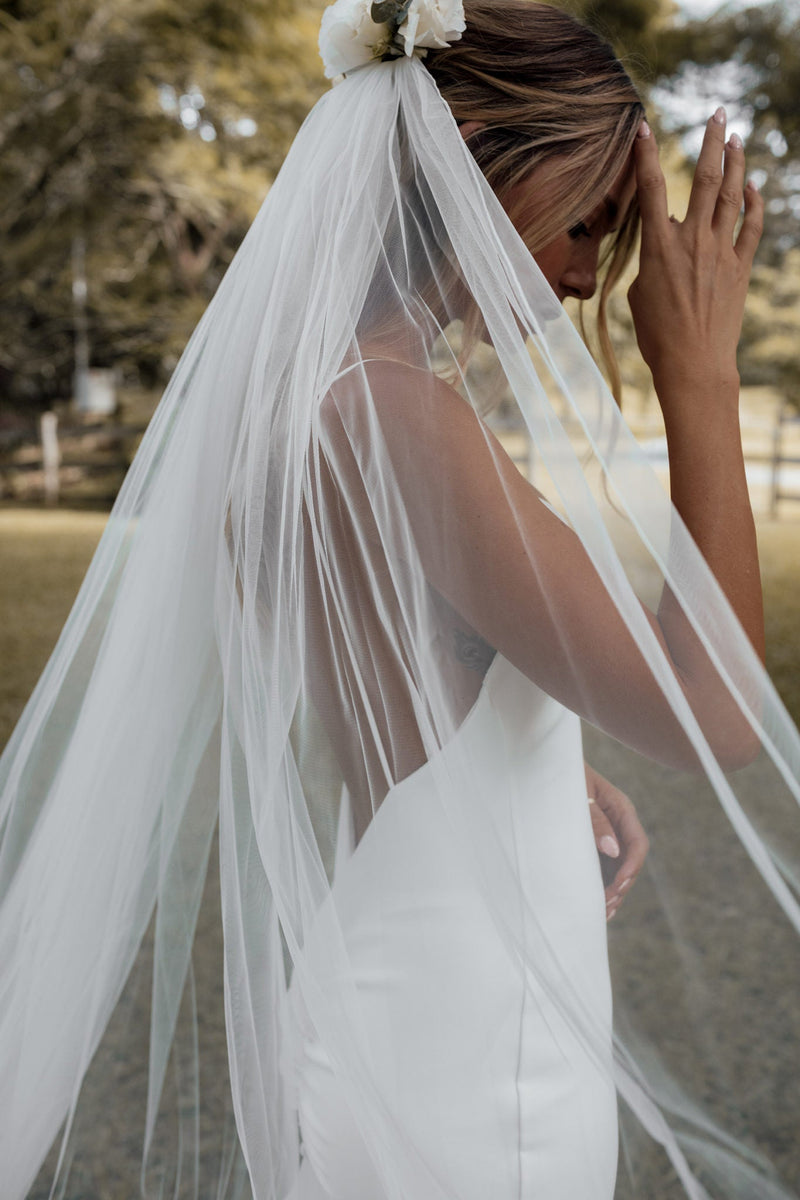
(609, 845)
(643, 130)
(735, 142)
(719, 115)
(626, 883)
(752, 185)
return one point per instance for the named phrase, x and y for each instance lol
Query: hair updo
(547, 89)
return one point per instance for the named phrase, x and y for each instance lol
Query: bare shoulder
(443, 457)
(423, 417)
(402, 389)
(399, 394)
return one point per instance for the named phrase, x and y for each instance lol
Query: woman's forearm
(709, 491)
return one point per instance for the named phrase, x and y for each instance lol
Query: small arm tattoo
(473, 651)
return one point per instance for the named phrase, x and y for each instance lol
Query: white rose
(348, 37)
(432, 23)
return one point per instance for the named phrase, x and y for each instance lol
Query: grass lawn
(44, 554)
(43, 558)
(779, 546)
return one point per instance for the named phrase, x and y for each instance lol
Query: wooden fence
(71, 461)
(68, 460)
(787, 419)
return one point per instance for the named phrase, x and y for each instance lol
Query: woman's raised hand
(688, 299)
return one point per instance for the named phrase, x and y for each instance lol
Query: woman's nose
(580, 278)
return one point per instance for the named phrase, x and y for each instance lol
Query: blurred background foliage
(148, 131)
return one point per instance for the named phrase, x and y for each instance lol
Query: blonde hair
(546, 89)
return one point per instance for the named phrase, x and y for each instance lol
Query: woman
(331, 617)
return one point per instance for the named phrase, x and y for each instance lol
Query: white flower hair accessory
(355, 32)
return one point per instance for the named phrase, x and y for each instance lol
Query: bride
(331, 622)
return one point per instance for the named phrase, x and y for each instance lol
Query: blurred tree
(150, 129)
(632, 26)
(771, 333)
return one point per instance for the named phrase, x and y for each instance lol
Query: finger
(729, 199)
(636, 847)
(752, 225)
(651, 190)
(622, 882)
(604, 836)
(627, 872)
(618, 888)
(626, 876)
(635, 841)
(708, 172)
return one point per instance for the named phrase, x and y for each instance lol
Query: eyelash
(578, 231)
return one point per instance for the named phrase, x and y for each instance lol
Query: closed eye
(578, 231)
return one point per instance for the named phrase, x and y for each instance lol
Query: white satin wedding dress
(495, 1085)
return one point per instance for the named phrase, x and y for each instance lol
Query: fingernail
(626, 883)
(719, 115)
(753, 186)
(609, 845)
(735, 142)
(643, 130)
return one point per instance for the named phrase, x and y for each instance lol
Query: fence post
(786, 416)
(48, 426)
(777, 438)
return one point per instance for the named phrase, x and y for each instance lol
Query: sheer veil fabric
(299, 687)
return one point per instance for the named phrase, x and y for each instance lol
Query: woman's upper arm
(515, 571)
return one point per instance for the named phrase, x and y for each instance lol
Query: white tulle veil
(261, 652)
